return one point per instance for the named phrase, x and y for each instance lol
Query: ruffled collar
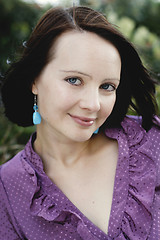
(133, 189)
(134, 183)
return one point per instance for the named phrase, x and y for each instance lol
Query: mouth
(83, 121)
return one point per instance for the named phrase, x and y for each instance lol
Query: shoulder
(18, 181)
(135, 139)
(16, 190)
(17, 174)
(132, 127)
(19, 165)
(12, 167)
(11, 174)
(131, 122)
(153, 134)
(144, 142)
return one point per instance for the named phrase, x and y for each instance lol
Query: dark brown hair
(136, 87)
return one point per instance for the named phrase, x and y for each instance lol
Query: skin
(76, 94)
(96, 64)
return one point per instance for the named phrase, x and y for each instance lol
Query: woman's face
(77, 88)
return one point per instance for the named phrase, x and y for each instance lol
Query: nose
(90, 100)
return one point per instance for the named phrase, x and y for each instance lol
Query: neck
(53, 149)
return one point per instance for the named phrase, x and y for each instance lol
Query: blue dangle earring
(95, 132)
(36, 115)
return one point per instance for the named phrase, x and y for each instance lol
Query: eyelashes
(108, 86)
(76, 81)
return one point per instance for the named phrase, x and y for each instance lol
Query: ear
(34, 88)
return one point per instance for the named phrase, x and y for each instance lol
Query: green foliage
(12, 138)
(138, 20)
(143, 12)
(16, 22)
(158, 97)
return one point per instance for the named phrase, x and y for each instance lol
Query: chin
(82, 137)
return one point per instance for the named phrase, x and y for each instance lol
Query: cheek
(55, 100)
(45, 101)
(107, 106)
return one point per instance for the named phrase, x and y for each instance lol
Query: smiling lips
(87, 122)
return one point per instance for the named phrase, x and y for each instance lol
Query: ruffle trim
(44, 205)
(141, 185)
(140, 197)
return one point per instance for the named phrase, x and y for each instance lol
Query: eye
(74, 81)
(107, 86)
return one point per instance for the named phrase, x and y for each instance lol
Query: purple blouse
(33, 207)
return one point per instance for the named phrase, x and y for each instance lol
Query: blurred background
(138, 20)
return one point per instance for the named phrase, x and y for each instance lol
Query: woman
(78, 75)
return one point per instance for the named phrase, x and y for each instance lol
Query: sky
(54, 2)
(57, 2)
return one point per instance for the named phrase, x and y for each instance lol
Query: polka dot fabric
(32, 207)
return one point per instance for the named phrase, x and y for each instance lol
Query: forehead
(87, 52)
(82, 43)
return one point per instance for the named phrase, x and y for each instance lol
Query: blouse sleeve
(154, 135)
(7, 221)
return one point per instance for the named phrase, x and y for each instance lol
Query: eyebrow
(75, 71)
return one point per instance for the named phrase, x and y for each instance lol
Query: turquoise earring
(95, 132)
(36, 115)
